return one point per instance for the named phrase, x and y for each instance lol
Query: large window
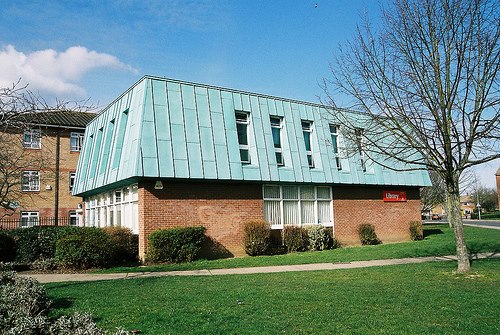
(29, 219)
(242, 128)
(31, 139)
(334, 133)
(276, 125)
(30, 181)
(76, 142)
(307, 132)
(297, 205)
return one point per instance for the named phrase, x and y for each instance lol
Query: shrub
(124, 246)
(367, 234)
(295, 238)
(83, 248)
(78, 323)
(175, 245)
(416, 231)
(7, 248)
(257, 237)
(44, 265)
(319, 237)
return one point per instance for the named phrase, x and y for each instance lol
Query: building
(47, 145)
(168, 153)
(497, 175)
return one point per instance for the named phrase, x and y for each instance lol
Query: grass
(439, 241)
(424, 298)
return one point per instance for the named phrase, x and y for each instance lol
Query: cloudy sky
(92, 49)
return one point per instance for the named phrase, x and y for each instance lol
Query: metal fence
(33, 222)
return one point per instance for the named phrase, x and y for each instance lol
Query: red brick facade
(222, 208)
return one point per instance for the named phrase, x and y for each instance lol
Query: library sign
(394, 196)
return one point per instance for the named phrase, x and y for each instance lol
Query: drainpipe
(56, 186)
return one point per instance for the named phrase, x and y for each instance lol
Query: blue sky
(78, 50)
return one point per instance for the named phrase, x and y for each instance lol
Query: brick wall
(220, 207)
(355, 205)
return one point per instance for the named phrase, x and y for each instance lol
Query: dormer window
(307, 132)
(276, 126)
(242, 129)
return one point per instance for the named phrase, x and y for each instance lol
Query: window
(297, 205)
(307, 131)
(334, 133)
(31, 139)
(72, 176)
(76, 142)
(242, 128)
(276, 125)
(73, 218)
(28, 219)
(361, 151)
(30, 181)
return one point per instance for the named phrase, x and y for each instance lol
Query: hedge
(175, 245)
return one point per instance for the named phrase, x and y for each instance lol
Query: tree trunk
(455, 219)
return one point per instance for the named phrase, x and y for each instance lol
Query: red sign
(394, 196)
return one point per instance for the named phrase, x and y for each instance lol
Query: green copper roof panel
(164, 128)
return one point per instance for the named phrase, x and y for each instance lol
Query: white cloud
(54, 72)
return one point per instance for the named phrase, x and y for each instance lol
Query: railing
(32, 222)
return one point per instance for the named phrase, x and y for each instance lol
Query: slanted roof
(163, 128)
(70, 119)
(498, 172)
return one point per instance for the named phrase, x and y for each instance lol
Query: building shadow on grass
(429, 232)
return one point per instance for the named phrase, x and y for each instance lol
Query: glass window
(73, 218)
(242, 129)
(334, 133)
(276, 125)
(361, 150)
(31, 139)
(76, 141)
(72, 176)
(307, 132)
(30, 181)
(29, 219)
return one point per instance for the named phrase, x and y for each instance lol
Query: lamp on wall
(158, 185)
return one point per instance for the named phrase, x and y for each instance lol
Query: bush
(84, 248)
(319, 237)
(124, 246)
(7, 248)
(175, 245)
(257, 237)
(367, 234)
(295, 238)
(416, 231)
(77, 323)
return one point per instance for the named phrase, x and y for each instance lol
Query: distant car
(436, 217)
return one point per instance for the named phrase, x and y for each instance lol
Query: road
(493, 224)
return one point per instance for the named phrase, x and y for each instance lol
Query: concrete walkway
(80, 277)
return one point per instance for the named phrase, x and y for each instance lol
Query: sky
(94, 50)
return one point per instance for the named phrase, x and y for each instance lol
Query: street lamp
(479, 210)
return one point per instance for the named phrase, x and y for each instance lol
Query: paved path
(54, 278)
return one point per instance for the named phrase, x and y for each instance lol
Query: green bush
(7, 248)
(84, 248)
(367, 234)
(124, 246)
(175, 245)
(416, 231)
(319, 237)
(257, 237)
(295, 238)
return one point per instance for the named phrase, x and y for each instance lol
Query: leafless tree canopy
(427, 82)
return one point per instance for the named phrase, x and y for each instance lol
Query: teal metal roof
(163, 128)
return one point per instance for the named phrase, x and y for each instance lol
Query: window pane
(279, 158)
(323, 193)
(271, 192)
(307, 192)
(242, 133)
(244, 156)
(307, 140)
(290, 192)
(324, 212)
(276, 137)
(307, 208)
(291, 212)
(272, 212)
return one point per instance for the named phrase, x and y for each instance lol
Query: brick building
(168, 153)
(48, 145)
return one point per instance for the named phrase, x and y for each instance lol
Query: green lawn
(439, 241)
(405, 299)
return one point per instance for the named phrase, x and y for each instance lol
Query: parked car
(436, 216)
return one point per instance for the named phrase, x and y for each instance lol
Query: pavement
(82, 277)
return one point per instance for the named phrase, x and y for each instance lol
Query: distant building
(168, 153)
(54, 141)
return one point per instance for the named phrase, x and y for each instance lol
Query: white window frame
(334, 134)
(361, 147)
(278, 150)
(32, 139)
(246, 122)
(73, 217)
(71, 181)
(299, 201)
(78, 138)
(30, 181)
(307, 128)
(29, 219)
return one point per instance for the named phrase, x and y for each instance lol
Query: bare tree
(434, 195)
(18, 105)
(427, 77)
